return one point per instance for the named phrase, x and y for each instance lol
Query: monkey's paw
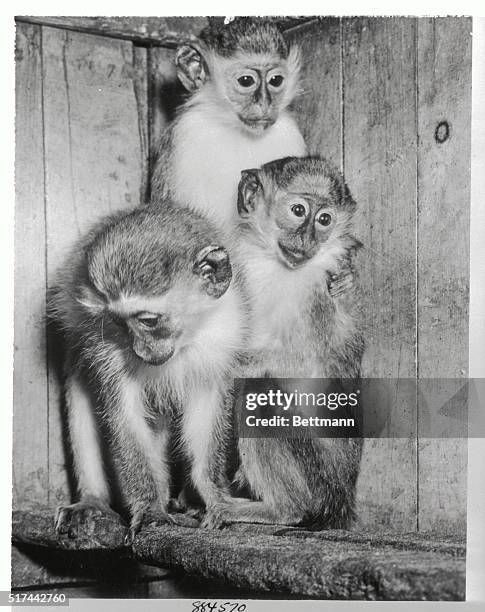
(147, 518)
(341, 282)
(219, 514)
(79, 519)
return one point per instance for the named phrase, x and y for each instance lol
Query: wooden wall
(89, 109)
(374, 92)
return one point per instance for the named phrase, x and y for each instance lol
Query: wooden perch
(328, 564)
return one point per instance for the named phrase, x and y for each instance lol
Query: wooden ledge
(145, 31)
(302, 564)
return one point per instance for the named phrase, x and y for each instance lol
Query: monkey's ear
(249, 186)
(191, 68)
(213, 267)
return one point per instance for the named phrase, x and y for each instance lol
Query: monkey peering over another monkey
(159, 317)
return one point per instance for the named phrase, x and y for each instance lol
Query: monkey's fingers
(217, 516)
(74, 521)
(186, 520)
(61, 521)
(340, 283)
(148, 518)
(79, 519)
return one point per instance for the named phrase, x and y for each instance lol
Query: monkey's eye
(276, 80)
(325, 219)
(148, 320)
(298, 210)
(246, 80)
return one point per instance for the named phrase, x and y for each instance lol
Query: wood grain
(380, 168)
(334, 564)
(444, 95)
(98, 105)
(30, 425)
(318, 107)
(95, 156)
(166, 31)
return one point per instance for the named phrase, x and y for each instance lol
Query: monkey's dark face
(303, 224)
(152, 336)
(255, 89)
(250, 88)
(300, 220)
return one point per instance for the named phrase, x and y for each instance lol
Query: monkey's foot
(341, 282)
(77, 519)
(147, 518)
(244, 511)
(224, 512)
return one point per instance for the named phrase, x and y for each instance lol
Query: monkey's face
(255, 88)
(152, 326)
(300, 214)
(250, 89)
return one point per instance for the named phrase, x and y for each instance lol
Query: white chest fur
(279, 298)
(209, 158)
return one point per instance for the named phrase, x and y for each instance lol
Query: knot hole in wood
(442, 132)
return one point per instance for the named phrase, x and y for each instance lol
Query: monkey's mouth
(155, 360)
(257, 124)
(293, 259)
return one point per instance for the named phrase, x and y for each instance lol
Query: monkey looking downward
(241, 76)
(296, 217)
(153, 321)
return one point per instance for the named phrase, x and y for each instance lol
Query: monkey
(153, 319)
(241, 77)
(295, 223)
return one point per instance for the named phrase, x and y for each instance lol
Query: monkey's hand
(340, 282)
(79, 519)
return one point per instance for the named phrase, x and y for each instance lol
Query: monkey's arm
(94, 494)
(139, 454)
(205, 430)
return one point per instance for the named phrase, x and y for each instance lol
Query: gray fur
(142, 253)
(301, 481)
(246, 34)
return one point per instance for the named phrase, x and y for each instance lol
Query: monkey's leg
(94, 495)
(205, 429)
(142, 464)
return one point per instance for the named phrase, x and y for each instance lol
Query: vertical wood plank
(444, 95)
(94, 155)
(318, 107)
(30, 423)
(140, 89)
(380, 167)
